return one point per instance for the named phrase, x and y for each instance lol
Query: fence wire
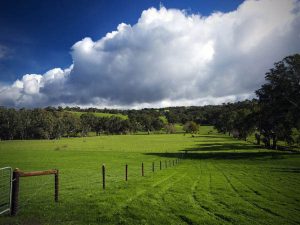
(5, 189)
(81, 195)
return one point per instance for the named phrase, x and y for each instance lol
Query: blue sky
(135, 54)
(39, 34)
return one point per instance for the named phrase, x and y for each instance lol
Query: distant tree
(145, 120)
(42, 124)
(135, 125)
(157, 123)
(170, 128)
(295, 136)
(8, 123)
(114, 125)
(191, 127)
(25, 123)
(244, 123)
(99, 125)
(58, 125)
(71, 124)
(88, 123)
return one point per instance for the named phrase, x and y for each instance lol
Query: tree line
(52, 123)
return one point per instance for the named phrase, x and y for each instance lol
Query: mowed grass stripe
(221, 181)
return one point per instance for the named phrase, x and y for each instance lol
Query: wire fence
(5, 189)
(81, 189)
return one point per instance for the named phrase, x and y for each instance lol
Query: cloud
(170, 57)
(35, 89)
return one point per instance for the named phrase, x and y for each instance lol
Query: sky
(143, 53)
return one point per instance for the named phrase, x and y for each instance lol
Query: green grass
(164, 119)
(179, 128)
(99, 114)
(220, 181)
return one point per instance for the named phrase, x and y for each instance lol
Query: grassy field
(219, 181)
(99, 114)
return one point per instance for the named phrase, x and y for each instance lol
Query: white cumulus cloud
(35, 89)
(170, 57)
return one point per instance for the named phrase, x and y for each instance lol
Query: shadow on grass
(221, 147)
(287, 170)
(237, 150)
(219, 136)
(225, 155)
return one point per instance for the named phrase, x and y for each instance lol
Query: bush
(191, 127)
(295, 136)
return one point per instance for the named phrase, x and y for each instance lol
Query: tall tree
(280, 100)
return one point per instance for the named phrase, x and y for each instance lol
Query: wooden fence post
(126, 172)
(153, 167)
(103, 176)
(159, 165)
(166, 165)
(56, 190)
(142, 169)
(15, 193)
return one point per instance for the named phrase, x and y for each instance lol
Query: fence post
(173, 162)
(15, 193)
(142, 169)
(153, 167)
(103, 176)
(166, 165)
(56, 187)
(159, 165)
(126, 172)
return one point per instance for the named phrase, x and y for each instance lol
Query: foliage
(52, 123)
(145, 120)
(170, 128)
(279, 100)
(191, 127)
(295, 136)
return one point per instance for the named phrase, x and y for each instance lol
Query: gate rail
(16, 181)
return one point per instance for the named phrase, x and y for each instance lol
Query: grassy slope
(221, 181)
(164, 119)
(99, 114)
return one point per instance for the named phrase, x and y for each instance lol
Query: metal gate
(5, 189)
